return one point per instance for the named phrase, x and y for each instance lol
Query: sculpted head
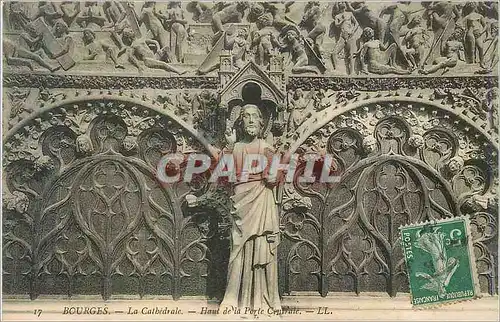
(242, 33)
(341, 6)
(88, 36)
(257, 9)
(298, 94)
(458, 34)
(291, 35)
(368, 34)
(60, 29)
(455, 164)
(128, 36)
(83, 144)
(252, 120)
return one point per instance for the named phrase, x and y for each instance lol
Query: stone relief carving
(362, 38)
(118, 84)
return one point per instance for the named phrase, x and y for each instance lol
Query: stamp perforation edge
(472, 257)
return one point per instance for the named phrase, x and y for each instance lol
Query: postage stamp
(440, 261)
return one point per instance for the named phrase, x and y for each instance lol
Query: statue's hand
(230, 136)
(271, 238)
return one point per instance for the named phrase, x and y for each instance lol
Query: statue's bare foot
(423, 71)
(120, 66)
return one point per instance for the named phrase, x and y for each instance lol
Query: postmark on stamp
(440, 261)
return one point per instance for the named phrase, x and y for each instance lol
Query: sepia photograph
(249, 160)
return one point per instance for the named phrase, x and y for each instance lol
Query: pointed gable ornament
(233, 89)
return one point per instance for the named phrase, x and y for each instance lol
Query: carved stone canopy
(251, 73)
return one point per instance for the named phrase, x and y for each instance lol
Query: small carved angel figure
(298, 105)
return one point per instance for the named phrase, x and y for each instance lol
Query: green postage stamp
(440, 261)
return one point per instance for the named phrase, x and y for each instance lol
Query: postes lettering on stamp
(440, 261)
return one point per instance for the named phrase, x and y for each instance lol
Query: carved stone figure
(70, 10)
(344, 26)
(262, 39)
(490, 107)
(474, 34)
(50, 12)
(16, 201)
(321, 100)
(185, 107)
(117, 15)
(139, 51)
(151, 19)
(278, 10)
(369, 144)
(16, 55)
(398, 17)
(416, 40)
(61, 34)
(92, 15)
(416, 141)
(235, 41)
(55, 43)
(252, 274)
(200, 10)
(452, 50)
(314, 27)
(175, 22)
(298, 107)
(367, 18)
(442, 17)
(129, 143)
(84, 144)
(95, 47)
(19, 104)
(376, 58)
(232, 13)
(17, 17)
(298, 58)
(455, 165)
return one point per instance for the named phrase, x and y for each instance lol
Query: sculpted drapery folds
(252, 280)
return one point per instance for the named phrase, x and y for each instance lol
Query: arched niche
(85, 213)
(401, 161)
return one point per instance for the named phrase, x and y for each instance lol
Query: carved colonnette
(84, 214)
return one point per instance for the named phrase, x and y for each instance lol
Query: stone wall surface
(404, 95)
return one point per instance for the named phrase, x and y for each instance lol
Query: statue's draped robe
(252, 272)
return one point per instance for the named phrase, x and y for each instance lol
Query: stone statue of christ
(252, 273)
